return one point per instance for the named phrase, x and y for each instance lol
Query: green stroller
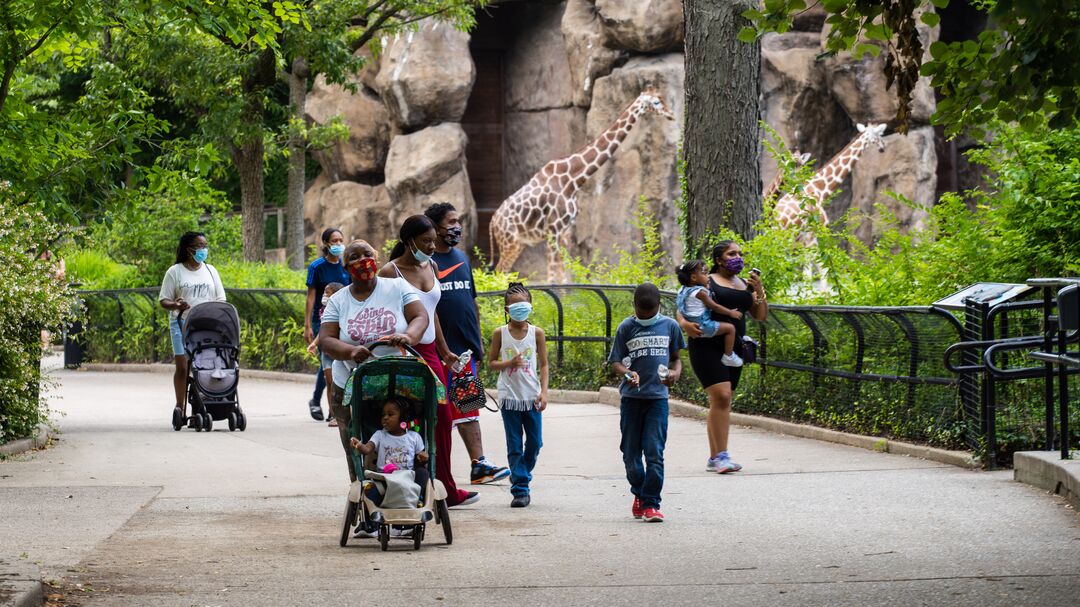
(393, 371)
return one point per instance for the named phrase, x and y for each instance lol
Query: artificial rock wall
(568, 70)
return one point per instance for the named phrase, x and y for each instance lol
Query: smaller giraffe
(546, 206)
(790, 209)
(774, 186)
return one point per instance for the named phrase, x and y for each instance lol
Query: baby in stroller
(397, 448)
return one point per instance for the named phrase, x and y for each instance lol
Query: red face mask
(362, 269)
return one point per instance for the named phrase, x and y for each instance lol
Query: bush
(31, 299)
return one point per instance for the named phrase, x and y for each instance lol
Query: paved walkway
(141, 515)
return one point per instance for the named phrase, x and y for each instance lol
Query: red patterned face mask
(362, 269)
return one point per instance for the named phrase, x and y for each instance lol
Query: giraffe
(790, 210)
(546, 206)
(774, 186)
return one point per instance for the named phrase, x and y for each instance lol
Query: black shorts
(705, 353)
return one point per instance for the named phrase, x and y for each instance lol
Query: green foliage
(31, 299)
(92, 269)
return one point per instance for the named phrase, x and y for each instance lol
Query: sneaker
(364, 533)
(315, 409)
(483, 472)
(652, 515)
(710, 466)
(731, 360)
(638, 509)
(401, 533)
(520, 501)
(725, 465)
(471, 498)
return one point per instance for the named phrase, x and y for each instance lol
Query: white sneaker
(731, 360)
(395, 532)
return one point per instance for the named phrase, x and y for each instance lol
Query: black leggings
(705, 353)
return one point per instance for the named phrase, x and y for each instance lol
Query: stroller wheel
(417, 536)
(208, 422)
(232, 422)
(444, 520)
(384, 537)
(197, 421)
(241, 421)
(349, 522)
(177, 419)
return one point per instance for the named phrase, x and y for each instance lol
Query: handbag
(749, 350)
(467, 392)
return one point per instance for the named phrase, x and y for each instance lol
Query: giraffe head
(801, 158)
(872, 134)
(650, 100)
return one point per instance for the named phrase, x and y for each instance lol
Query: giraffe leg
(509, 250)
(556, 268)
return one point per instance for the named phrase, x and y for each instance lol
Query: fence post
(913, 361)
(1049, 326)
(819, 345)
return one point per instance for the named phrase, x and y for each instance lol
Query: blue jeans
(522, 427)
(644, 423)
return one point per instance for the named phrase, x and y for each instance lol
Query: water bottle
(662, 371)
(463, 361)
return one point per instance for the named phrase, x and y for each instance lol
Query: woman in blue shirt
(321, 272)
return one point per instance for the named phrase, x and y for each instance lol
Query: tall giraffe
(546, 206)
(790, 210)
(774, 185)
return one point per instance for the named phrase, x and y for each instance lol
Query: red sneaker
(652, 515)
(637, 510)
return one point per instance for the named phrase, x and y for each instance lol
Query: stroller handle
(383, 342)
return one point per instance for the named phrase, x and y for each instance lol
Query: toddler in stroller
(395, 492)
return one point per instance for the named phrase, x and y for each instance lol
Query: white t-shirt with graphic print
(401, 450)
(196, 287)
(382, 314)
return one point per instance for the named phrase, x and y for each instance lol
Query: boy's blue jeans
(523, 442)
(644, 424)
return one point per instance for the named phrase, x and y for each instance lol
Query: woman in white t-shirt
(370, 308)
(188, 283)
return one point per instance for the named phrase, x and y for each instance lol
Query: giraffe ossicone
(544, 209)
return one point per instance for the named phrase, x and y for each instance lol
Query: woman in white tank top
(410, 262)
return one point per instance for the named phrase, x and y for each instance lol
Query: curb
(167, 368)
(20, 584)
(961, 459)
(610, 396)
(1044, 469)
(39, 440)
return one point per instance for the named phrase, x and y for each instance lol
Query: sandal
(332, 423)
(316, 410)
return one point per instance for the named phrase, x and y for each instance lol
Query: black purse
(749, 350)
(467, 392)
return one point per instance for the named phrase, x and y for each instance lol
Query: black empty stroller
(212, 344)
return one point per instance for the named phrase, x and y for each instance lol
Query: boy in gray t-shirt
(645, 353)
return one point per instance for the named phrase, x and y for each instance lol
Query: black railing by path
(875, 371)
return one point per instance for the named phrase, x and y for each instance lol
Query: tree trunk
(294, 208)
(721, 151)
(248, 158)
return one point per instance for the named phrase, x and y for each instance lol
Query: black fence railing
(875, 371)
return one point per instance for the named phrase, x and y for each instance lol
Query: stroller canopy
(212, 318)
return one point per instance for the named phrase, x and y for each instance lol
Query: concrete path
(124, 511)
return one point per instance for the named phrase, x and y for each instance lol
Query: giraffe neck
(825, 182)
(600, 150)
(774, 186)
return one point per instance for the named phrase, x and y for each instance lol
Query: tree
(1022, 68)
(720, 152)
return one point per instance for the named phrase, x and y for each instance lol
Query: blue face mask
(519, 311)
(647, 322)
(421, 256)
(201, 254)
(337, 249)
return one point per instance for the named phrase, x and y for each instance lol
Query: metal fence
(870, 370)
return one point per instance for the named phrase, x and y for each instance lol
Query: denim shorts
(325, 361)
(177, 335)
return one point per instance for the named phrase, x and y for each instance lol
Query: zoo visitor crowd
(425, 297)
